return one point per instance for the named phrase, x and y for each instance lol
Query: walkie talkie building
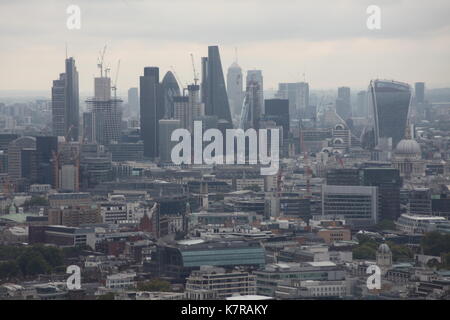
(390, 101)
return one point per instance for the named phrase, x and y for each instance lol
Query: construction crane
(68, 133)
(114, 87)
(193, 67)
(100, 60)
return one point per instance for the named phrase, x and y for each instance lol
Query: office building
(358, 205)
(235, 88)
(390, 101)
(298, 95)
(133, 100)
(215, 283)
(277, 110)
(215, 95)
(65, 103)
(151, 110)
(170, 90)
(166, 127)
(343, 103)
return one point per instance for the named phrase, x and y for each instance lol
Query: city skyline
(324, 42)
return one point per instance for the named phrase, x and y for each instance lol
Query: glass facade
(390, 105)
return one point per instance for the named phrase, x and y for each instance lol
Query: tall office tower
(72, 100)
(277, 110)
(170, 89)
(195, 105)
(59, 106)
(419, 92)
(106, 113)
(15, 155)
(166, 127)
(152, 110)
(46, 149)
(343, 104)
(298, 95)
(133, 100)
(88, 127)
(29, 165)
(390, 101)
(389, 182)
(182, 111)
(362, 104)
(251, 110)
(216, 94)
(204, 84)
(256, 77)
(65, 102)
(235, 88)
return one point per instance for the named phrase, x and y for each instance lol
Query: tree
(36, 201)
(9, 269)
(364, 252)
(435, 243)
(33, 263)
(107, 296)
(154, 285)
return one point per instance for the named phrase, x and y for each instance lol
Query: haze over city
(320, 41)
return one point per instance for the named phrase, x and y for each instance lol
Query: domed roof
(384, 248)
(408, 147)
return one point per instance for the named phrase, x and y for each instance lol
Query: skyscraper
(278, 111)
(343, 104)
(133, 99)
(298, 95)
(251, 110)
(65, 103)
(182, 112)
(106, 114)
(46, 147)
(235, 88)
(420, 92)
(216, 94)
(362, 104)
(390, 102)
(170, 89)
(151, 110)
(256, 82)
(166, 127)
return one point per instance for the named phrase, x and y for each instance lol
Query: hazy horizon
(327, 41)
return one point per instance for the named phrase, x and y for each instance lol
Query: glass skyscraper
(214, 85)
(390, 101)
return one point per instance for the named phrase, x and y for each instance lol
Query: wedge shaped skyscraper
(390, 101)
(215, 94)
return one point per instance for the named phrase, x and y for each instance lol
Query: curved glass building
(389, 103)
(170, 89)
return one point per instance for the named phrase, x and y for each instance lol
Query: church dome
(408, 147)
(384, 249)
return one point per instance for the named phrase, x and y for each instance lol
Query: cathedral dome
(384, 249)
(408, 147)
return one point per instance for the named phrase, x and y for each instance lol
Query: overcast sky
(326, 39)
